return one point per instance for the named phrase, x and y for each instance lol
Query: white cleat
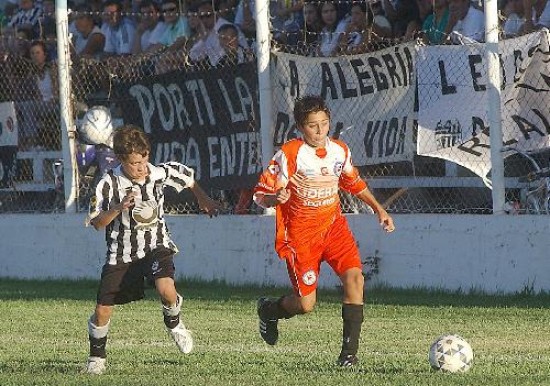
(182, 337)
(96, 365)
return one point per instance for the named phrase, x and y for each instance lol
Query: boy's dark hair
(363, 6)
(130, 139)
(214, 4)
(149, 3)
(83, 11)
(108, 3)
(306, 105)
(175, 2)
(25, 31)
(40, 43)
(227, 27)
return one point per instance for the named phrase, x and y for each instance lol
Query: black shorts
(124, 283)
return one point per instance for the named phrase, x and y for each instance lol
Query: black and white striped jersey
(142, 228)
(24, 17)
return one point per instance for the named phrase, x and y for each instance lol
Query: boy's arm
(271, 189)
(210, 206)
(180, 176)
(267, 200)
(105, 217)
(383, 217)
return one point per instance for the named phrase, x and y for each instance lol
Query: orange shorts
(337, 247)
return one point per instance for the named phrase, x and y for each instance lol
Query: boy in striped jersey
(302, 181)
(129, 204)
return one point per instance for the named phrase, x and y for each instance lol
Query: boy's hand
(127, 201)
(386, 222)
(209, 206)
(282, 195)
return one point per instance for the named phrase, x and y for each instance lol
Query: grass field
(43, 339)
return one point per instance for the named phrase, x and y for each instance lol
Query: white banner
(8, 124)
(452, 84)
(371, 98)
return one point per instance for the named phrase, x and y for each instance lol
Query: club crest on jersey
(145, 214)
(338, 166)
(310, 277)
(273, 168)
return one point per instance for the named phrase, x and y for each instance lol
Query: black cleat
(347, 360)
(268, 327)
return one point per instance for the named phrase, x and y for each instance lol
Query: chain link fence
(197, 113)
(413, 114)
(30, 129)
(453, 115)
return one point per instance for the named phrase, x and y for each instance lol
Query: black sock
(97, 347)
(274, 310)
(352, 316)
(171, 321)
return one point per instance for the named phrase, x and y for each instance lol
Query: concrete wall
(488, 253)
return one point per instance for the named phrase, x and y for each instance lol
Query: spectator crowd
(109, 28)
(207, 33)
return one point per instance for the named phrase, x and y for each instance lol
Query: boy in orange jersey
(302, 181)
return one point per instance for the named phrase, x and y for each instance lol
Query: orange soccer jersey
(314, 203)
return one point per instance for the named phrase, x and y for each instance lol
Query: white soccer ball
(96, 127)
(451, 353)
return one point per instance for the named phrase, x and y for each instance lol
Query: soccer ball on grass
(451, 353)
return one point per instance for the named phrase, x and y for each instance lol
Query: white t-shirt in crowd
(210, 47)
(45, 85)
(382, 21)
(119, 40)
(152, 36)
(329, 40)
(513, 24)
(80, 41)
(471, 28)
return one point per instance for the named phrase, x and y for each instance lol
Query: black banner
(208, 120)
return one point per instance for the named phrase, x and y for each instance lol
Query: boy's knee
(306, 306)
(354, 279)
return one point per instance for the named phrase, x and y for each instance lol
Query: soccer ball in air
(96, 127)
(451, 353)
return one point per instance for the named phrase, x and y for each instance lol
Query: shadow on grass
(366, 366)
(47, 366)
(85, 290)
